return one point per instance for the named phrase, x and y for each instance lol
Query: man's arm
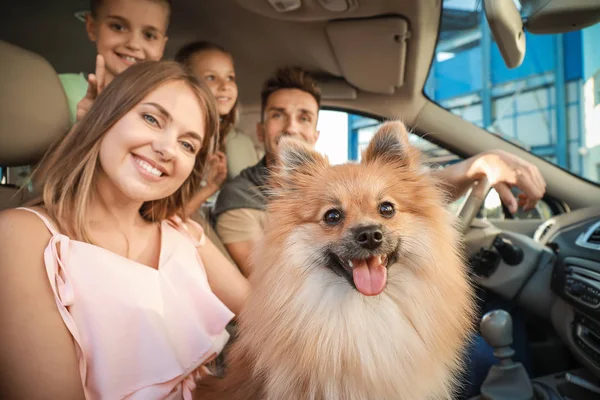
(240, 252)
(239, 229)
(504, 170)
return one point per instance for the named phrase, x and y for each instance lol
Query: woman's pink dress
(140, 333)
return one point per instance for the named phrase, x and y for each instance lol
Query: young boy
(125, 32)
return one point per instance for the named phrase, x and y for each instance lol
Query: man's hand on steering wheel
(504, 171)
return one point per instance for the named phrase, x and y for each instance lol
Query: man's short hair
(290, 78)
(96, 4)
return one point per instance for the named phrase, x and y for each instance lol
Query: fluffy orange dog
(359, 287)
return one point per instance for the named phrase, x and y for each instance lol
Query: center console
(508, 379)
(574, 312)
(577, 283)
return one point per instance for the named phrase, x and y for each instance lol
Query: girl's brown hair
(68, 171)
(184, 56)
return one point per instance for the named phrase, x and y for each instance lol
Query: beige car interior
(371, 57)
(33, 108)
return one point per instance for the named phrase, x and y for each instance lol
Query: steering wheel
(471, 206)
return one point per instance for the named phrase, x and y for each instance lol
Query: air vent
(591, 238)
(546, 229)
(540, 233)
(594, 237)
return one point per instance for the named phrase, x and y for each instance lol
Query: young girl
(108, 293)
(236, 151)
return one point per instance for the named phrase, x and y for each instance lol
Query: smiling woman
(162, 119)
(152, 150)
(105, 273)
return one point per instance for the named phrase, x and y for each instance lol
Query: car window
(15, 176)
(344, 136)
(549, 105)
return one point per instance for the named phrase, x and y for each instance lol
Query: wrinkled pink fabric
(140, 333)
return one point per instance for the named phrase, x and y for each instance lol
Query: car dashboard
(575, 239)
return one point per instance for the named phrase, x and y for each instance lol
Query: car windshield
(549, 105)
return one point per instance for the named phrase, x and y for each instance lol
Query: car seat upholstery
(33, 111)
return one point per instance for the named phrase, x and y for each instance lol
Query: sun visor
(371, 53)
(337, 89)
(559, 16)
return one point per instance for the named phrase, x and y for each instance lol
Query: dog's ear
(390, 146)
(296, 159)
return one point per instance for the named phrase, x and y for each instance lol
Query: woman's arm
(225, 279)
(37, 353)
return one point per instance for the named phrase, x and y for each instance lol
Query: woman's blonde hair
(68, 171)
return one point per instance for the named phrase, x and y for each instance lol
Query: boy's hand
(96, 84)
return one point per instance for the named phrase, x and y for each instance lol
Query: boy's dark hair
(184, 57)
(96, 4)
(289, 78)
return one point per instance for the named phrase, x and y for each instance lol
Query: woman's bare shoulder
(23, 238)
(18, 223)
(47, 350)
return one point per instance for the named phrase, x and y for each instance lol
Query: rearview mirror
(506, 26)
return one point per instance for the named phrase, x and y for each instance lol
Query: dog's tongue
(369, 276)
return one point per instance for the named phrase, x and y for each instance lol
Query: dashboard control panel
(577, 281)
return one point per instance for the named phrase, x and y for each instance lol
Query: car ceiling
(258, 43)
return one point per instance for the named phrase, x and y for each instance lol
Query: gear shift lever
(507, 380)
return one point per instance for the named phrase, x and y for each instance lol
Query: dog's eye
(332, 217)
(386, 209)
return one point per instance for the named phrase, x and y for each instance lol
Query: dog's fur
(306, 332)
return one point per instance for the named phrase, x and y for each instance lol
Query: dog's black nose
(369, 237)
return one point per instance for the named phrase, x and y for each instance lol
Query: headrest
(33, 106)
